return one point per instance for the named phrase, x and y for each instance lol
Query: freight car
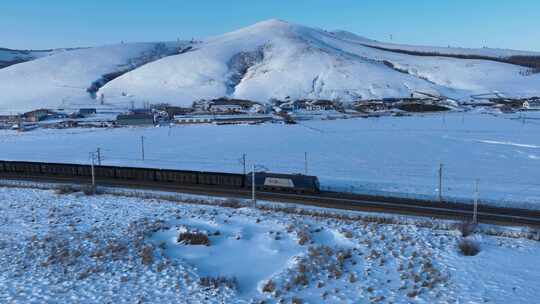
(295, 183)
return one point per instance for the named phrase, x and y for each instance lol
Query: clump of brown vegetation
(296, 300)
(466, 228)
(193, 238)
(468, 247)
(269, 286)
(147, 255)
(232, 203)
(217, 282)
(303, 237)
(65, 189)
(89, 190)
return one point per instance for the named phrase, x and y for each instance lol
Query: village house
(372, 106)
(135, 119)
(225, 108)
(8, 118)
(37, 115)
(223, 119)
(193, 119)
(87, 111)
(320, 105)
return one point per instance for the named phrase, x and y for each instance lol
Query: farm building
(37, 115)
(223, 119)
(225, 108)
(193, 119)
(87, 111)
(133, 119)
(320, 105)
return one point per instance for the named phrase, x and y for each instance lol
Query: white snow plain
(59, 248)
(374, 155)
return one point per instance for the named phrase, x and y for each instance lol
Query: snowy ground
(60, 248)
(387, 154)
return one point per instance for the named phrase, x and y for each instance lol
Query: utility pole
(20, 123)
(253, 199)
(92, 157)
(142, 147)
(305, 163)
(98, 156)
(244, 162)
(476, 194)
(440, 182)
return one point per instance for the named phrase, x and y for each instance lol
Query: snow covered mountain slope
(486, 52)
(275, 59)
(10, 57)
(271, 59)
(67, 78)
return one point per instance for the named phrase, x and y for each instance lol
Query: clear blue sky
(468, 23)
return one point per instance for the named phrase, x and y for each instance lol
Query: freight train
(290, 183)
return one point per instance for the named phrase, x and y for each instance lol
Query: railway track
(333, 200)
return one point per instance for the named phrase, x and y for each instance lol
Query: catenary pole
(440, 182)
(244, 162)
(99, 156)
(253, 199)
(305, 163)
(142, 147)
(92, 156)
(476, 194)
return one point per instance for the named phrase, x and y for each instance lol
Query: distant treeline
(532, 62)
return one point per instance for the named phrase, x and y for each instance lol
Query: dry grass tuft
(468, 247)
(217, 282)
(89, 190)
(466, 228)
(303, 237)
(147, 255)
(65, 189)
(193, 238)
(269, 287)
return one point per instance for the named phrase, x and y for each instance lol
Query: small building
(133, 119)
(223, 119)
(173, 111)
(87, 111)
(225, 108)
(193, 119)
(242, 119)
(372, 106)
(320, 105)
(8, 118)
(293, 105)
(37, 115)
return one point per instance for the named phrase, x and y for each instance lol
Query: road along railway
(285, 188)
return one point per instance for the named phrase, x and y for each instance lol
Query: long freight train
(292, 183)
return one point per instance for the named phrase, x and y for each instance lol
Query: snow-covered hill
(68, 78)
(10, 57)
(275, 59)
(271, 59)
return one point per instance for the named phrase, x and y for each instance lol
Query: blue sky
(468, 23)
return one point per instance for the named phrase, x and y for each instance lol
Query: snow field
(75, 248)
(386, 155)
